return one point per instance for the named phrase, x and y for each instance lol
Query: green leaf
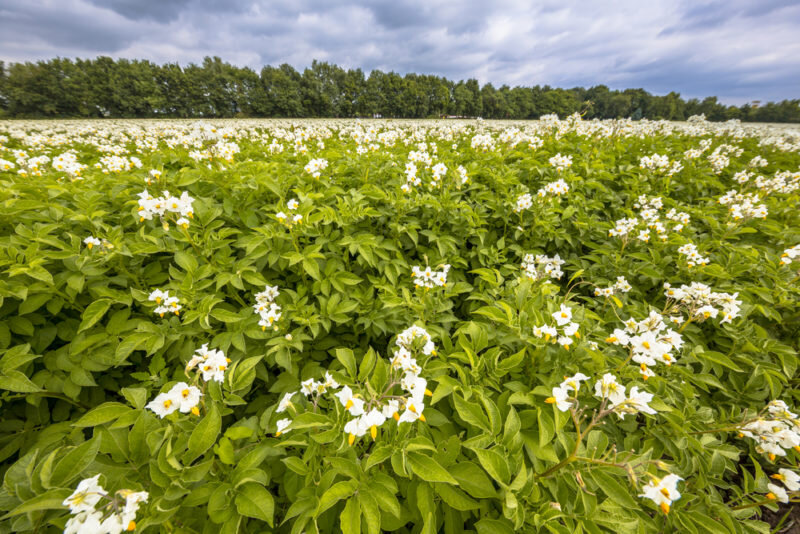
(334, 494)
(13, 380)
(495, 464)
(350, 518)
(253, 500)
(471, 413)
(51, 500)
(226, 316)
(204, 434)
(108, 411)
(74, 462)
(429, 469)
(456, 498)
(186, 260)
(348, 361)
(93, 313)
(615, 491)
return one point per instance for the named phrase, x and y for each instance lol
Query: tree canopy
(104, 87)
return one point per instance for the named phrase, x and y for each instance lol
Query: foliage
(82, 353)
(105, 87)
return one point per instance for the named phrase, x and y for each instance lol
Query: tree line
(122, 88)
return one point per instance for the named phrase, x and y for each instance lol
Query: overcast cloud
(734, 49)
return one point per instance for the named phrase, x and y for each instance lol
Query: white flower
(282, 424)
(86, 522)
(188, 397)
(352, 404)
(292, 204)
(777, 493)
(214, 366)
(86, 496)
(608, 387)
(285, 402)
(636, 402)
(563, 316)
(91, 242)
(573, 383)
(663, 492)
(560, 398)
(789, 478)
(165, 403)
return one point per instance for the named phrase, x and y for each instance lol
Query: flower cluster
(211, 364)
(557, 188)
(68, 163)
(693, 257)
(368, 414)
(293, 218)
(700, 303)
(429, 278)
(790, 254)
(266, 308)
(524, 202)
(563, 318)
(541, 266)
(612, 393)
(150, 207)
(560, 162)
(316, 166)
(775, 431)
(650, 341)
(620, 286)
(165, 303)
(115, 514)
(650, 216)
(181, 397)
(743, 206)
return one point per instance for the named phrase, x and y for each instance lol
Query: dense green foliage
(82, 353)
(122, 88)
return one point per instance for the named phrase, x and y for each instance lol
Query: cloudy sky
(736, 49)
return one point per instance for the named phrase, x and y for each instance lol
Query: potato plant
(341, 326)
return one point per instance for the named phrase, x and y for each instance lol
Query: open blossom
(86, 495)
(91, 242)
(608, 388)
(637, 401)
(282, 425)
(663, 492)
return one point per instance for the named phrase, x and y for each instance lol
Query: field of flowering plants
(556, 326)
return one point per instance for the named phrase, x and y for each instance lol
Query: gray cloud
(735, 49)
